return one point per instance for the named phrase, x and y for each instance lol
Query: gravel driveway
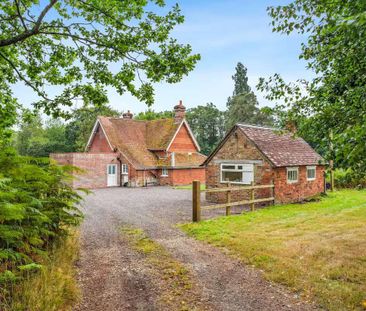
(111, 277)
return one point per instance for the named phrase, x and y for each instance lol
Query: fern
(37, 204)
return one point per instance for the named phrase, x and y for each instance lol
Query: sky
(223, 32)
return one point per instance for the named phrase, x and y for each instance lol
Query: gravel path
(112, 277)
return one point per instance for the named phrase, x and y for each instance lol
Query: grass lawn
(189, 187)
(318, 249)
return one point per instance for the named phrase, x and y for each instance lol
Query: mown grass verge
(317, 248)
(53, 287)
(177, 290)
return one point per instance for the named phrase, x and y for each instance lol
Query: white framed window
(311, 172)
(124, 169)
(292, 175)
(237, 173)
(112, 168)
(164, 172)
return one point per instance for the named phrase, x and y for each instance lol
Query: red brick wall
(95, 171)
(183, 142)
(177, 177)
(237, 148)
(99, 143)
(186, 176)
(304, 188)
(93, 164)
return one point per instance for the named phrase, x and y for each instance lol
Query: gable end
(234, 130)
(183, 139)
(98, 129)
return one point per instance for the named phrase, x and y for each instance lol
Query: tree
(8, 114)
(208, 125)
(37, 139)
(152, 115)
(243, 105)
(30, 137)
(55, 135)
(334, 100)
(240, 78)
(78, 130)
(83, 47)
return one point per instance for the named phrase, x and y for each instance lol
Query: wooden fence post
(228, 199)
(331, 162)
(252, 197)
(196, 201)
(273, 192)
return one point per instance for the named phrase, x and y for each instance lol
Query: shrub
(348, 179)
(37, 206)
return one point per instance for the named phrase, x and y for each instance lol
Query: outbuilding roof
(279, 147)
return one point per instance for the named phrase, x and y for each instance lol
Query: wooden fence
(196, 198)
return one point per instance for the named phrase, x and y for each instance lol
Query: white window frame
(124, 169)
(292, 169)
(164, 172)
(312, 167)
(236, 169)
(109, 166)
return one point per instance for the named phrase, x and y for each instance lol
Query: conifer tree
(243, 105)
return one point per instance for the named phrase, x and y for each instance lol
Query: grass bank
(317, 249)
(52, 288)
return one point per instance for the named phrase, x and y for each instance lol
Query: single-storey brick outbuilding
(128, 152)
(264, 155)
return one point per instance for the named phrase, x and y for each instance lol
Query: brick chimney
(179, 112)
(127, 115)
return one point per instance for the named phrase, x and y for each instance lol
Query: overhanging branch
(21, 77)
(31, 32)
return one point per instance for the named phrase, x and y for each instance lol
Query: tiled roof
(160, 133)
(137, 140)
(281, 148)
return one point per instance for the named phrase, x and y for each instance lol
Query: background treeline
(39, 138)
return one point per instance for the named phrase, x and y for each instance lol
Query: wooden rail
(196, 198)
(237, 188)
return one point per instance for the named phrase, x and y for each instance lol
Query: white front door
(112, 175)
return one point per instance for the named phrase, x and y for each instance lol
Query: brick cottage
(128, 152)
(264, 156)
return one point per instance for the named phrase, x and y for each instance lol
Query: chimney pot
(179, 112)
(127, 115)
